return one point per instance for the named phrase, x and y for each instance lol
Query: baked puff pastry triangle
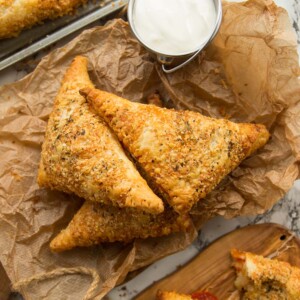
(184, 153)
(81, 155)
(96, 223)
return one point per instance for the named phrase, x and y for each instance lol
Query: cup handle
(182, 64)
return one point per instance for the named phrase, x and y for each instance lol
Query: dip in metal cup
(181, 59)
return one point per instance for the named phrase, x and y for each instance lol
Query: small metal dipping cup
(181, 59)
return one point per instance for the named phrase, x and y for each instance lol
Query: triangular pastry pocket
(82, 155)
(96, 223)
(184, 153)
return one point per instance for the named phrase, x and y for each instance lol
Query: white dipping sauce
(174, 27)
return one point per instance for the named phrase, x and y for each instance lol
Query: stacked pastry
(182, 156)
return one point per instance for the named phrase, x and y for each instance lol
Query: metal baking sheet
(32, 40)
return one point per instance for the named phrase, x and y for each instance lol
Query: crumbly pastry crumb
(165, 295)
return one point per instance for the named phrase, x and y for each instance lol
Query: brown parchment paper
(249, 73)
(4, 284)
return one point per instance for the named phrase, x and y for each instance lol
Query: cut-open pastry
(183, 153)
(96, 223)
(82, 155)
(260, 278)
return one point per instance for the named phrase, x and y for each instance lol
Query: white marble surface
(286, 212)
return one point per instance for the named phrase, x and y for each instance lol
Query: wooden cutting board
(211, 269)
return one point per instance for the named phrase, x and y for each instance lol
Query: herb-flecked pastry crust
(81, 155)
(260, 278)
(96, 223)
(184, 153)
(17, 15)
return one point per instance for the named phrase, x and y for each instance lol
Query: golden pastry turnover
(17, 15)
(183, 154)
(81, 155)
(96, 223)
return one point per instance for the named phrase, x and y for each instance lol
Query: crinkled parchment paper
(249, 73)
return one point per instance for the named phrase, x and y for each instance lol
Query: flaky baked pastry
(260, 278)
(183, 153)
(96, 223)
(163, 295)
(17, 15)
(81, 155)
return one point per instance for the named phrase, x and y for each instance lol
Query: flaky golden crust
(81, 155)
(95, 223)
(262, 278)
(17, 15)
(162, 295)
(183, 152)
